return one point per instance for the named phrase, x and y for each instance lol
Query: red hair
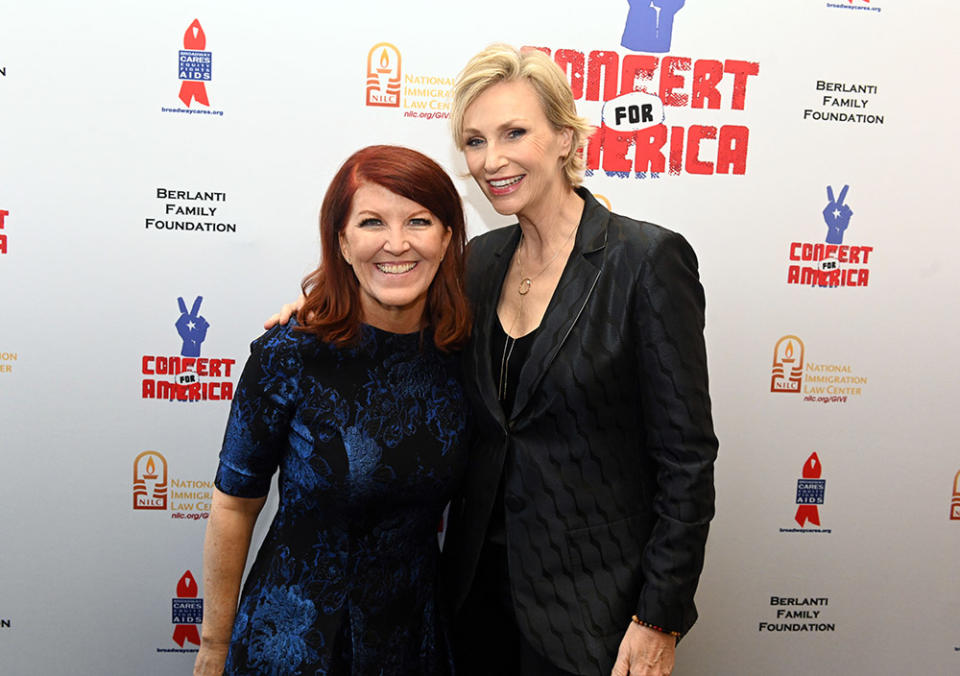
(332, 309)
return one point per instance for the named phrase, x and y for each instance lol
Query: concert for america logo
(659, 115)
(194, 70)
(830, 264)
(3, 236)
(189, 376)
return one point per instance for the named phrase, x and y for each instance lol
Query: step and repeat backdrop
(161, 171)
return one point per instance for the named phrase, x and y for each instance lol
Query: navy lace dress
(368, 442)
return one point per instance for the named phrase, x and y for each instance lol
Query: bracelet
(675, 634)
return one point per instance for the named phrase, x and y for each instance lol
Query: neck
(548, 228)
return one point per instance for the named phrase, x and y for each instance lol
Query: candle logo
(787, 373)
(150, 481)
(383, 75)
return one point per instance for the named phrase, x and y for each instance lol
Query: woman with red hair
(360, 407)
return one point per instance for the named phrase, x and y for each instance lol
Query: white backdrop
(96, 148)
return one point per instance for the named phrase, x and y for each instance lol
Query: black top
(508, 356)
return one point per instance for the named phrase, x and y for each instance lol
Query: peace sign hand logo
(836, 215)
(191, 327)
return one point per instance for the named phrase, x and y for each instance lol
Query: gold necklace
(523, 290)
(527, 282)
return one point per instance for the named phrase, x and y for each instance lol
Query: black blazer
(608, 452)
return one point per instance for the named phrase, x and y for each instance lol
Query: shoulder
(283, 348)
(642, 238)
(481, 247)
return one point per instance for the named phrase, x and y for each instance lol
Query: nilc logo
(187, 611)
(383, 75)
(150, 481)
(649, 26)
(787, 374)
(3, 238)
(810, 491)
(955, 500)
(195, 67)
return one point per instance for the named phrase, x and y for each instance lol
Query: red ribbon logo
(194, 39)
(811, 470)
(186, 589)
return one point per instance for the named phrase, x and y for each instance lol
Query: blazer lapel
(577, 282)
(485, 314)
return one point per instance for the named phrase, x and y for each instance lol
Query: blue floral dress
(368, 442)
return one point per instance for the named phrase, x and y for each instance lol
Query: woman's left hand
(645, 652)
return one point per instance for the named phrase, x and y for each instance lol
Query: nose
(397, 242)
(493, 159)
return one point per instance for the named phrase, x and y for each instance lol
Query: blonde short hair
(504, 63)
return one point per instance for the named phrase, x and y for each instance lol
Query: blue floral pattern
(369, 444)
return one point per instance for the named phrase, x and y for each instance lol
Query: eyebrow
(514, 122)
(370, 212)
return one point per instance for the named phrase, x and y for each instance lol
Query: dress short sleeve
(259, 422)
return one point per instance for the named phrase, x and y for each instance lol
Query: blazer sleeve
(678, 429)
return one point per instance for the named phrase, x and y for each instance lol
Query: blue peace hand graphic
(649, 25)
(191, 327)
(836, 215)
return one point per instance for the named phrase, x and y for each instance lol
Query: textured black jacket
(608, 453)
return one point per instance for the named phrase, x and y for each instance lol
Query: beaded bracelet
(675, 634)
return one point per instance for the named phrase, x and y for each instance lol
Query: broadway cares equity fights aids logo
(187, 615)
(187, 377)
(389, 85)
(830, 264)
(826, 383)
(811, 489)
(659, 115)
(153, 489)
(194, 70)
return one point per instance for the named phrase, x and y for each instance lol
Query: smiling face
(512, 150)
(394, 246)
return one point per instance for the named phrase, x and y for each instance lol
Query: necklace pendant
(525, 284)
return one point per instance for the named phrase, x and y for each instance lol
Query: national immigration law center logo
(391, 84)
(787, 372)
(832, 263)
(154, 489)
(195, 71)
(187, 376)
(955, 499)
(150, 481)
(822, 382)
(383, 75)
